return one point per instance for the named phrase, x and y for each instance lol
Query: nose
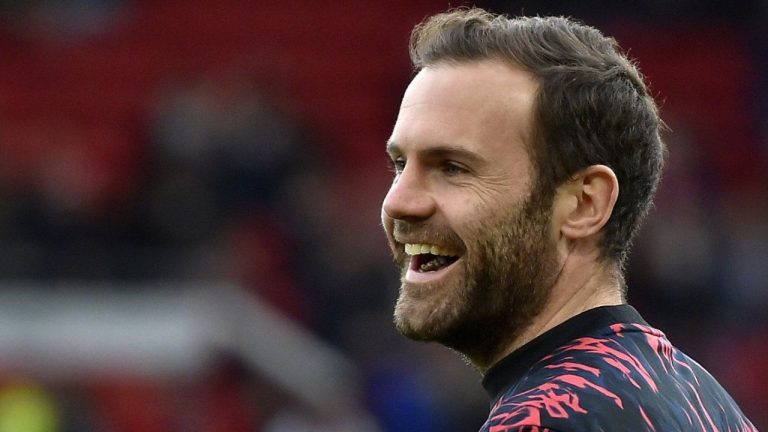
(409, 197)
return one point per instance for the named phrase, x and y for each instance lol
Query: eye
(396, 165)
(451, 168)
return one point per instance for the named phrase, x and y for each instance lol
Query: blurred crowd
(237, 141)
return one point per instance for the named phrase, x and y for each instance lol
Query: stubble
(507, 276)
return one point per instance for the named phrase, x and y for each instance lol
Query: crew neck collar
(512, 367)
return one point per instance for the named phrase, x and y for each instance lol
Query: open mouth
(426, 258)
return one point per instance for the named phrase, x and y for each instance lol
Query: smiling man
(526, 153)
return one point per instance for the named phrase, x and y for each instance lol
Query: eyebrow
(441, 151)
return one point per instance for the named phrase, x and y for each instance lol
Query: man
(525, 154)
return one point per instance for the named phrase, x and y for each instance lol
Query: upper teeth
(420, 248)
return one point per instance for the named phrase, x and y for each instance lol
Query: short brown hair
(592, 106)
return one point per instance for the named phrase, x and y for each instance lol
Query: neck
(584, 283)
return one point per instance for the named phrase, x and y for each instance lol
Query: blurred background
(189, 211)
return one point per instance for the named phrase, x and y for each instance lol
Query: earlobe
(587, 201)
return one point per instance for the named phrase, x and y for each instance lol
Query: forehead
(484, 107)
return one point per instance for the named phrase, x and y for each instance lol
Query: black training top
(606, 370)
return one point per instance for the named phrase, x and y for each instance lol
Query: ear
(584, 203)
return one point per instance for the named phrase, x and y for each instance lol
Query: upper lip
(403, 241)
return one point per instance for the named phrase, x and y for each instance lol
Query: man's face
(475, 246)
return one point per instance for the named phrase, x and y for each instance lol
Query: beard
(505, 281)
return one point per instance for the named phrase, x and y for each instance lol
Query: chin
(425, 318)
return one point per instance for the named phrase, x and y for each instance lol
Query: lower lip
(414, 276)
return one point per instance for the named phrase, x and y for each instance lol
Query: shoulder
(585, 384)
(522, 428)
(630, 375)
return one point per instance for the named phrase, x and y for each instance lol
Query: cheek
(463, 209)
(471, 217)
